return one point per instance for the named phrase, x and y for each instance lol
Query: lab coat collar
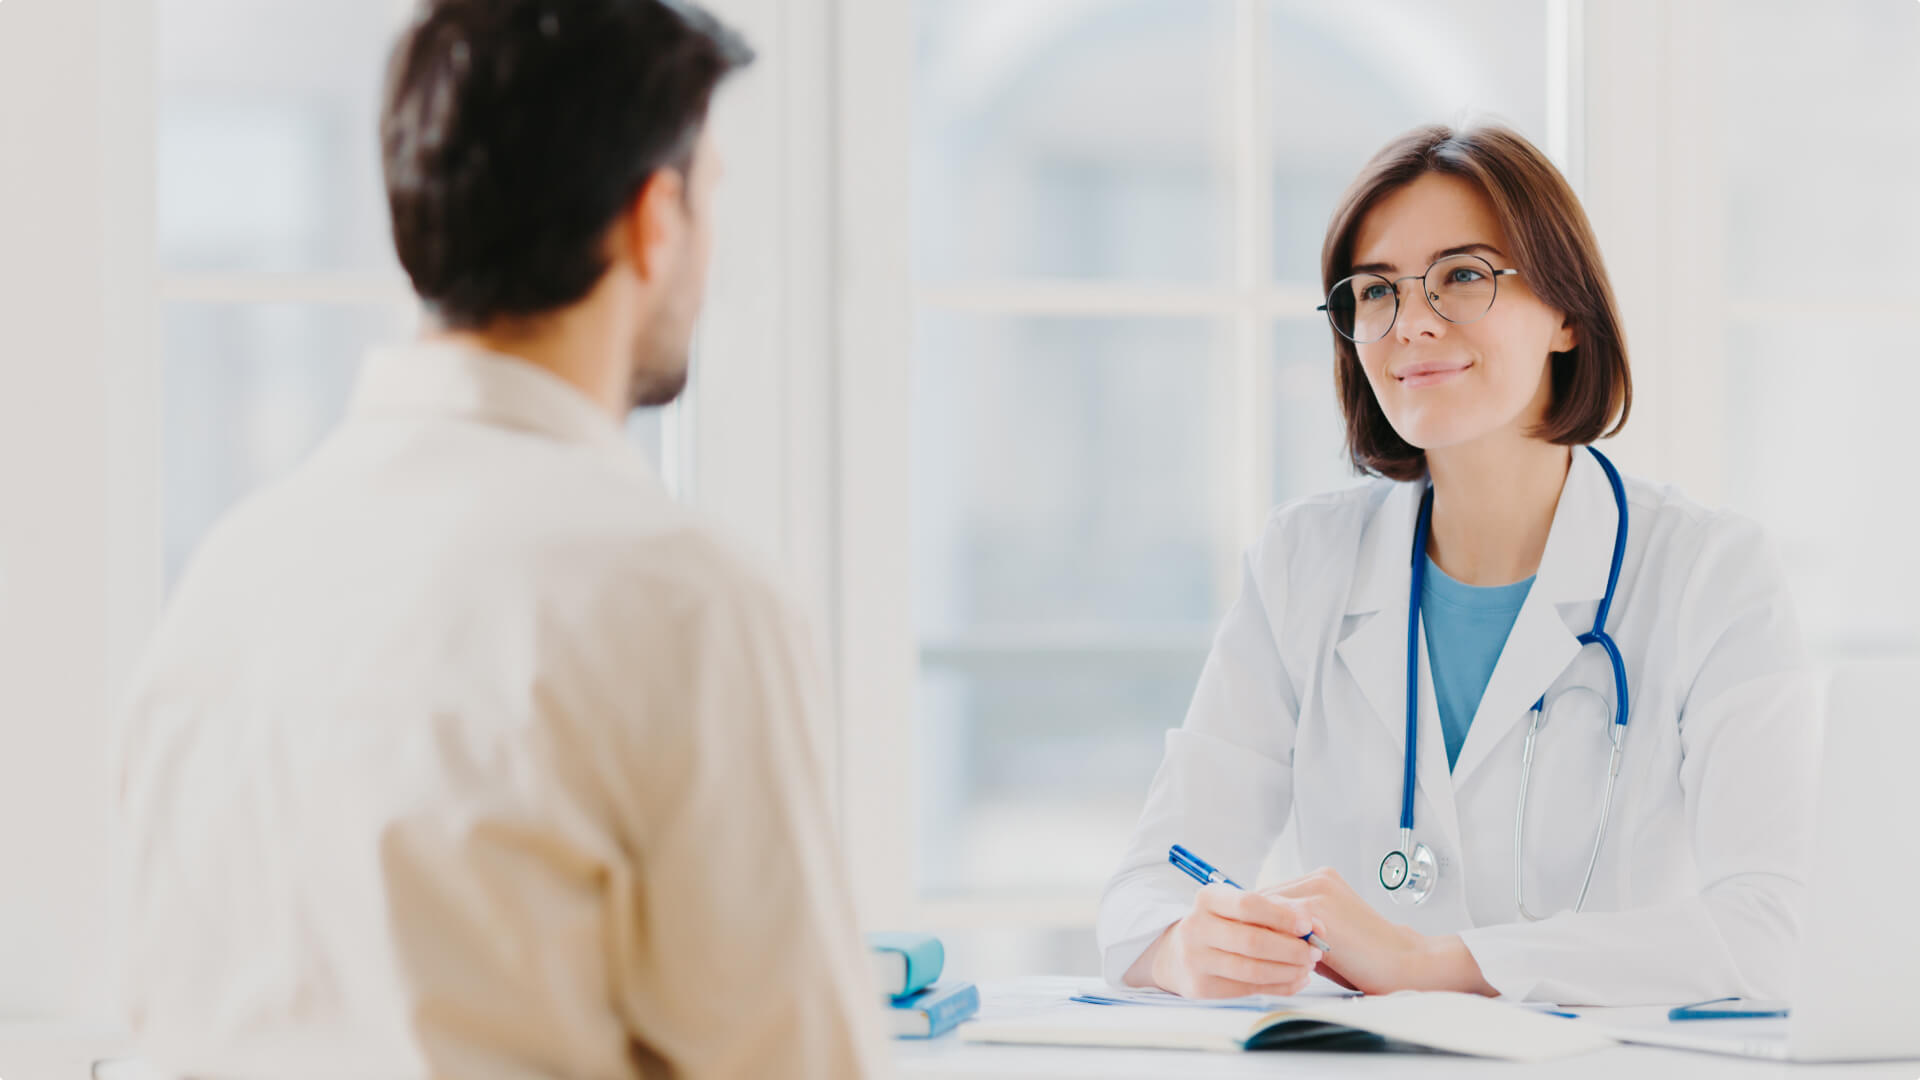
(1573, 566)
(1573, 571)
(446, 379)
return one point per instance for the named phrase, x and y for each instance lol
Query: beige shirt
(465, 752)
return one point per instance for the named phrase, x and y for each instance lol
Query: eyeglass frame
(1394, 283)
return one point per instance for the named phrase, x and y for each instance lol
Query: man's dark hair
(515, 132)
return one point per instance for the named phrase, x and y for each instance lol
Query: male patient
(463, 752)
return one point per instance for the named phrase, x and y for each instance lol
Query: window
(277, 270)
(1814, 285)
(1117, 210)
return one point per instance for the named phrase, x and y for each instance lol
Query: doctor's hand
(1372, 953)
(1231, 943)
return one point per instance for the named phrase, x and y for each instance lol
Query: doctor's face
(1442, 383)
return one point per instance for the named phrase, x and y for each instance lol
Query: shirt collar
(447, 379)
(1441, 587)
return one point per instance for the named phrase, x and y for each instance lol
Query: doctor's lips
(1429, 372)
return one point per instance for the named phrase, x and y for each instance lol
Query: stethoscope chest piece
(1408, 874)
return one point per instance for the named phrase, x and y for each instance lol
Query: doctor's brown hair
(1554, 249)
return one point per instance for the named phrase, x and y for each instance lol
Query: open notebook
(1458, 1023)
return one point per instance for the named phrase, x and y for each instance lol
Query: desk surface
(53, 1051)
(41, 1051)
(947, 1058)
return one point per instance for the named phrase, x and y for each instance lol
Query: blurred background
(1011, 348)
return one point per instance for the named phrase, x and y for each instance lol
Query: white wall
(63, 306)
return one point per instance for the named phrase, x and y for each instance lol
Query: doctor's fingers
(1327, 972)
(1254, 942)
(1325, 882)
(1266, 974)
(1214, 986)
(1280, 914)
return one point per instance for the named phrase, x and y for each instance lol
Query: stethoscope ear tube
(1616, 733)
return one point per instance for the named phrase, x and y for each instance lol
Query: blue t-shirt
(1467, 626)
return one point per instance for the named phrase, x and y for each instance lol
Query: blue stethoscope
(1408, 873)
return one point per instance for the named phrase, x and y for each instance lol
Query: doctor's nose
(1417, 318)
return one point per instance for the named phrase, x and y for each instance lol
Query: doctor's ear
(1565, 339)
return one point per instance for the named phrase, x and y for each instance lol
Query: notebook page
(1462, 1024)
(1168, 1028)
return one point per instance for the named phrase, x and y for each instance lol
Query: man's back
(464, 752)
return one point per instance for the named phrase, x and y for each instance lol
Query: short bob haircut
(1553, 247)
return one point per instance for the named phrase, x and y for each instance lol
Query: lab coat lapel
(1571, 580)
(1537, 651)
(1375, 652)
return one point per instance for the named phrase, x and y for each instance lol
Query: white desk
(53, 1051)
(947, 1058)
(62, 1052)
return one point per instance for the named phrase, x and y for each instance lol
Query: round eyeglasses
(1459, 289)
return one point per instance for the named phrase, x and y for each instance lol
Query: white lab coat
(1300, 711)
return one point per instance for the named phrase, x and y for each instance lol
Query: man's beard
(652, 389)
(659, 374)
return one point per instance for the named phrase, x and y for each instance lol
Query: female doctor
(1548, 732)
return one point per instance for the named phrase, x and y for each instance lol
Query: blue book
(905, 963)
(933, 1011)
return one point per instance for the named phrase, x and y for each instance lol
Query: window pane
(1067, 138)
(267, 149)
(647, 430)
(1345, 78)
(1066, 472)
(1820, 227)
(1032, 768)
(1820, 165)
(1308, 429)
(1816, 468)
(1073, 541)
(250, 390)
(1309, 432)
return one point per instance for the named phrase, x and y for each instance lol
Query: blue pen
(1196, 868)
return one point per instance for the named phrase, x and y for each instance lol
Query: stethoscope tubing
(1597, 636)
